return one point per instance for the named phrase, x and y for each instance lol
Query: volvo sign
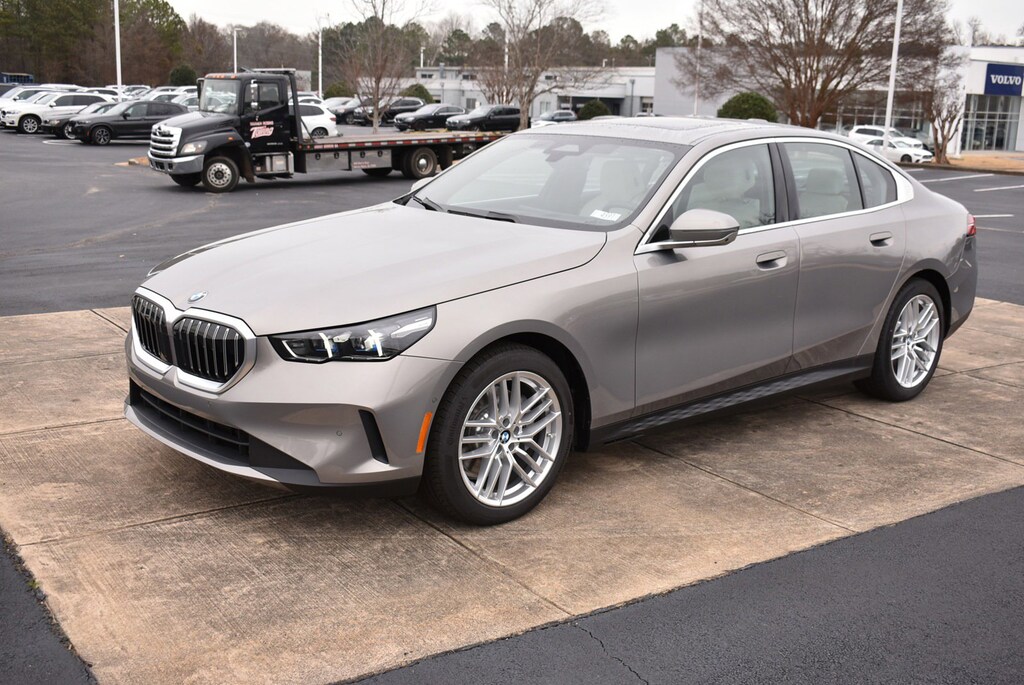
(1004, 79)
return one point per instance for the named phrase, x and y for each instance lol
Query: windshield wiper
(427, 203)
(486, 214)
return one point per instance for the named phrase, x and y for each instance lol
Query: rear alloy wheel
(420, 163)
(100, 135)
(909, 347)
(28, 124)
(220, 175)
(319, 132)
(501, 435)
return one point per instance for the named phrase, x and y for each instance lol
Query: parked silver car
(560, 288)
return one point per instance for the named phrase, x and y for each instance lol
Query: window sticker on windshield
(605, 216)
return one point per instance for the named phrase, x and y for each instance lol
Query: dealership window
(470, 104)
(990, 122)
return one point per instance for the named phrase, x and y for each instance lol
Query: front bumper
(347, 426)
(176, 165)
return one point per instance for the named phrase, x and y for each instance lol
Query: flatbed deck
(398, 139)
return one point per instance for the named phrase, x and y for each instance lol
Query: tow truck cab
(247, 125)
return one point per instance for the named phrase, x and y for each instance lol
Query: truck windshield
(219, 96)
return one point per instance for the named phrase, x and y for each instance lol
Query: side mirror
(700, 227)
(53, 104)
(124, 115)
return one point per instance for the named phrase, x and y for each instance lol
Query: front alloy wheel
(909, 347)
(501, 435)
(101, 135)
(68, 131)
(28, 124)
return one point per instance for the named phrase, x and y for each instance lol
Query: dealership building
(992, 79)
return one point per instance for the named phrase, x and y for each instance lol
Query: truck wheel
(377, 173)
(420, 163)
(100, 135)
(220, 175)
(187, 180)
(28, 124)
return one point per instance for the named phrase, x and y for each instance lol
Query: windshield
(562, 181)
(48, 97)
(120, 107)
(219, 96)
(481, 110)
(429, 109)
(97, 107)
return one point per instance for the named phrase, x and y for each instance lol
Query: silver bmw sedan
(563, 287)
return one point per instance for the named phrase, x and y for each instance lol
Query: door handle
(771, 260)
(883, 239)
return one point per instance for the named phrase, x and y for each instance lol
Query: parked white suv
(862, 134)
(29, 117)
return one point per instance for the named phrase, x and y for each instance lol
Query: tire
(220, 175)
(906, 159)
(347, 119)
(419, 126)
(902, 375)
(319, 132)
(100, 135)
(419, 163)
(65, 132)
(377, 173)
(449, 476)
(29, 124)
(186, 180)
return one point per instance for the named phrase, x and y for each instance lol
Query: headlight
(193, 148)
(52, 122)
(370, 342)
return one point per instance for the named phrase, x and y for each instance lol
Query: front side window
(561, 181)
(825, 179)
(876, 181)
(738, 182)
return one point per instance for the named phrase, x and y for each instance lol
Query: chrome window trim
(171, 315)
(904, 189)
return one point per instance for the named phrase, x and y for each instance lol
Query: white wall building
(625, 90)
(993, 80)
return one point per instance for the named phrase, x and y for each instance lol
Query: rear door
(715, 318)
(852, 241)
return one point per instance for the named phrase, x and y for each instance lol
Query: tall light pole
(892, 72)
(234, 47)
(320, 63)
(117, 40)
(700, 40)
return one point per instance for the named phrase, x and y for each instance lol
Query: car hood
(364, 265)
(190, 122)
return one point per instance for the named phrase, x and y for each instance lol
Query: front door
(266, 117)
(716, 318)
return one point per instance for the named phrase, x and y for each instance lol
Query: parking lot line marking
(992, 216)
(1000, 230)
(954, 178)
(987, 190)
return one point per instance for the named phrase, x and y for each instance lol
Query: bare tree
(380, 52)
(945, 103)
(807, 56)
(205, 47)
(542, 37)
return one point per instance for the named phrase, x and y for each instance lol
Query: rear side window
(87, 99)
(826, 182)
(64, 101)
(737, 182)
(310, 111)
(876, 182)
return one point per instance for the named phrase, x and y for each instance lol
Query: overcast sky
(641, 18)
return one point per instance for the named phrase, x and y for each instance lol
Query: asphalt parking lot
(160, 570)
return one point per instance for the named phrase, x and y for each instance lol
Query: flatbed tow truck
(249, 125)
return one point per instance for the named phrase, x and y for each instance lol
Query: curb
(138, 161)
(952, 167)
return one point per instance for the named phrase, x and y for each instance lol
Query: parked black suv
(133, 119)
(486, 118)
(427, 116)
(388, 110)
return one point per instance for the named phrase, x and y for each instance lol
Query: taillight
(972, 226)
(334, 119)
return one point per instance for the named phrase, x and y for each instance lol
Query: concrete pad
(62, 392)
(1002, 319)
(305, 590)
(855, 472)
(966, 411)
(973, 348)
(61, 335)
(119, 316)
(985, 302)
(77, 481)
(625, 522)
(1011, 374)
